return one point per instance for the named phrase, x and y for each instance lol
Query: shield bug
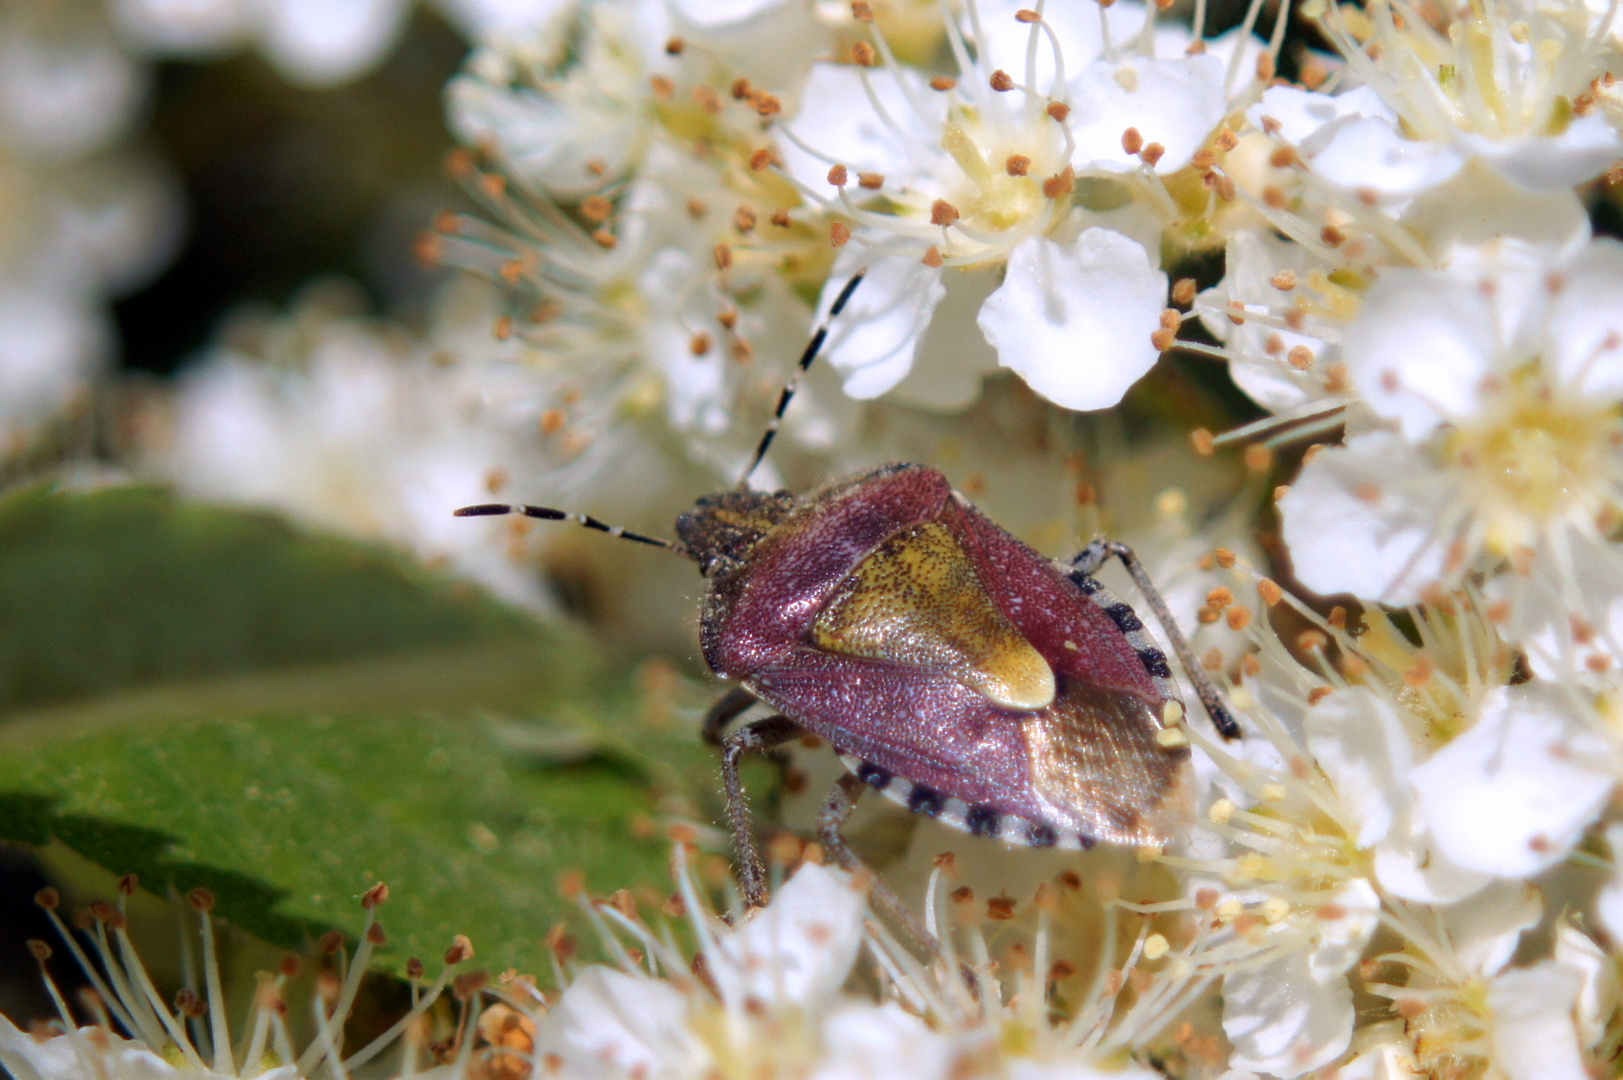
(952, 667)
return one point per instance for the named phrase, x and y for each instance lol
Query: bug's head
(724, 527)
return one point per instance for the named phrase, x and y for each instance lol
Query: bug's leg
(761, 735)
(729, 707)
(831, 830)
(1088, 561)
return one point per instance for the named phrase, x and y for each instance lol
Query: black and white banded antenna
(813, 347)
(547, 513)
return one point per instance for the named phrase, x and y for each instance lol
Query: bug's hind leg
(759, 736)
(1087, 563)
(842, 799)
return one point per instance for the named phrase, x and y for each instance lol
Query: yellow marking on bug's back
(917, 600)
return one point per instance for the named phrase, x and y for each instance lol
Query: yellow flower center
(1539, 460)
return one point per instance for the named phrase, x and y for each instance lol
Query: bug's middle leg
(759, 736)
(842, 799)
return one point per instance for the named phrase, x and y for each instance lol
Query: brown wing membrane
(1097, 768)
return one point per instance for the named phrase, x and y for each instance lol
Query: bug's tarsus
(759, 736)
(547, 513)
(813, 347)
(1092, 557)
(842, 799)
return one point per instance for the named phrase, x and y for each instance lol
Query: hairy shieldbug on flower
(952, 667)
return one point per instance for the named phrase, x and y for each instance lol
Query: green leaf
(289, 817)
(129, 586)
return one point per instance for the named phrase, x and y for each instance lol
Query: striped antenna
(813, 347)
(546, 513)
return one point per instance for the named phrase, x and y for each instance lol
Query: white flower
(1280, 312)
(1365, 742)
(1294, 1013)
(567, 108)
(1513, 794)
(1501, 84)
(769, 998)
(1001, 167)
(193, 1039)
(1467, 1009)
(1502, 374)
(354, 428)
(93, 1051)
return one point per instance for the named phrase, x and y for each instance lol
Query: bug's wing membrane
(1097, 768)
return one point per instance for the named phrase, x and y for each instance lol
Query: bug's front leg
(729, 707)
(1091, 558)
(759, 736)
(842, 799)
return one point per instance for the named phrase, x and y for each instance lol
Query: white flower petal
(1478, 206)
(1284, 1021)
(1550, 163)
(96, 1052)
(1075, 320)
(1353, 521)
(800, 948)
(708, 14)
(1370, 153)
(1076, 26)
(1512, 276)
(1342, 939)
(837, 118)
(956, 354)
(65, 94)
(320, 43)
(1176, 103)
(1585, 345)
(1420, 347)
(1486, 928)
(1513, 794)
(49, 345)
(882, 1042)
(1384, 1061)
(612, 1025)
(873, 343)
(1259, 349)
(1600, 996)
(767, 41)
(698, 392)
(1358, 740)
(1533, 1034)
(588, 125)
(1308, 120)
(1408, 864)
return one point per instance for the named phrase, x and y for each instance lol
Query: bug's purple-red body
(949, 711)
